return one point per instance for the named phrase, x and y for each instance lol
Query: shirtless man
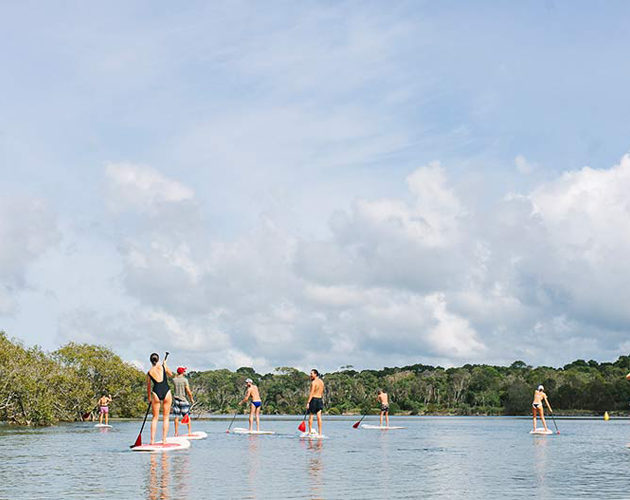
(254, 409)
(383, 399)
(537, 406)
(103, 408)
(315, 403)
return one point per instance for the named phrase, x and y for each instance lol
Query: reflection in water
(540, 463)
(158, 477)
(316, 467)
(253, 465)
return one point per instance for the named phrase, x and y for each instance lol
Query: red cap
(181, 370)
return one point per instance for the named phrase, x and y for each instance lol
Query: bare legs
(386, 413)
(536, 412)
(166, 410)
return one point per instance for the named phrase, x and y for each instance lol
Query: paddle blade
(302, 427)
(186, 419)
(138, 441)
(356, 425)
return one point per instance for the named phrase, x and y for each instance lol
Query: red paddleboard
(179, 445)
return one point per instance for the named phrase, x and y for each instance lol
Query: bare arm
(189, 392)
(168, 370)
(548, 405)
(311, 394)
(148, 387)
(247, 394)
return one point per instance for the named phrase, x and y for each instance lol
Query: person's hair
(154, 358)
(380, 391)
(315, 372)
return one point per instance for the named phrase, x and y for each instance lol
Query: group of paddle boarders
(159, 393)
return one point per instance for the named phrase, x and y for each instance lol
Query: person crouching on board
(315, 403)
(537, 406)
(383, 399)
(181, 406)
(103, 408)
(254, 409)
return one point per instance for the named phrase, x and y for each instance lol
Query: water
(468, 457)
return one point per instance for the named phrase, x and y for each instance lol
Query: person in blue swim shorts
(254, 410)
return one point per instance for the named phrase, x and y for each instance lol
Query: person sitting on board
(158, 392)
(315, 403)
(383, 399)
(537, 406)
(103, 408)
(181, 406)
(254, 409)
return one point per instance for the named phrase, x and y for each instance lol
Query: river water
(465, 457)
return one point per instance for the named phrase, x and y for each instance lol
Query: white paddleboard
(242, 430)
(187, 437)
(168, 446)
(382, 428)
(541, 431)
(312, 435)
(103, 425)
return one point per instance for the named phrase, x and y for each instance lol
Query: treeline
(40, 388)
(579, 387)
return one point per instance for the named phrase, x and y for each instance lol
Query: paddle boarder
(181, 406)
(383, 399)
(315, 403)
(254, 409)
(103, 408)
(537, 406)
(158, 392)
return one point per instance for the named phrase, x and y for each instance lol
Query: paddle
(186, 418)
(230, 426)
(139, 438)
(302, 426)
(554, 422)
(356, 424)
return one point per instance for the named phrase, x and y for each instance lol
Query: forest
(41, 388)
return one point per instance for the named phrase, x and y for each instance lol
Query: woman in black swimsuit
(158, 390)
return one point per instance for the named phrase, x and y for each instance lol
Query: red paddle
(356, 424)
(186, 419)
(302, 426)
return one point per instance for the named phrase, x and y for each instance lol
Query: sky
(317, 184)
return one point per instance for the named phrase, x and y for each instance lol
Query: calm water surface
(444, 457)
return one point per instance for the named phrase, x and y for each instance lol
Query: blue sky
(337, 183)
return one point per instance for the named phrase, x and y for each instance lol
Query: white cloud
(141, 187)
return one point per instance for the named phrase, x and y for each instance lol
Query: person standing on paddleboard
(315, 403)
(254, 409)
(103, 408)
(181, 406)
(158, 392)
(537, 406)
(383, 399)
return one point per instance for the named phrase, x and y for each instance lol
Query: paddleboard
(187, 437)
(541, 431)
(382, 428)
(242, 430)
(312, 435)
(168, 446)
(103, 425)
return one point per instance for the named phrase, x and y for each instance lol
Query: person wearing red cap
(181, 406)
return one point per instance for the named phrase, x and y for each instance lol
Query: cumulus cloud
(422, 277)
